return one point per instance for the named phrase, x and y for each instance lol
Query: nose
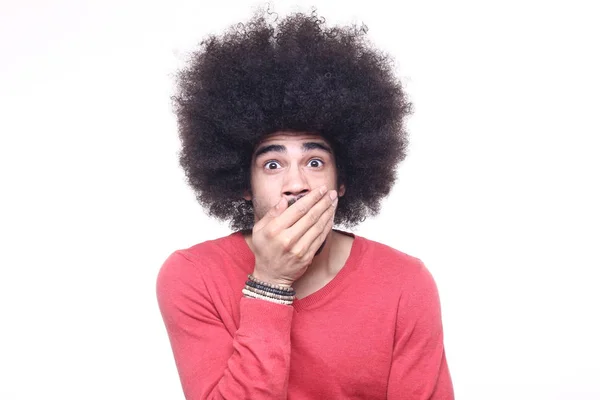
(295, 184)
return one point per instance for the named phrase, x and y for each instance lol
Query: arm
(419, 370)
(253, 364)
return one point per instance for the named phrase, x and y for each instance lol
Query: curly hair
(293, 75)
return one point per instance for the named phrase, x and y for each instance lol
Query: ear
(341, 190)
(247, 195)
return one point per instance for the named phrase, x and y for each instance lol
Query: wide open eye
(272, 165)
(316, 163)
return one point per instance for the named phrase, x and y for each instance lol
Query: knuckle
(286, 243)
(321, 225)
(313, 218)
(270, 232)
(298, 253)
(302, 209)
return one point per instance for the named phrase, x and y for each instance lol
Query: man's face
(290, 164)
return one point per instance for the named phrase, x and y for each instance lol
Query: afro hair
(294, 75)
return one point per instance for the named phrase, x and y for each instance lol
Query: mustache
(295, 199)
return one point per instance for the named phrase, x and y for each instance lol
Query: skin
(293, 238)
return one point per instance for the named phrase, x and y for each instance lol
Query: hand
(286, 239)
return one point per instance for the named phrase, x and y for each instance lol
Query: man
(286, 131)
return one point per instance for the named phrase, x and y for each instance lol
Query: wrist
(259, 289)
(271, 280)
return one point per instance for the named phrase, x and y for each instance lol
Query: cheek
(264, 196)
(260, 209)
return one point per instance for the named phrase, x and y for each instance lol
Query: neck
(324, 266)
(323, 262)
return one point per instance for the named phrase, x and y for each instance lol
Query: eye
(272, 165)
(316, 163)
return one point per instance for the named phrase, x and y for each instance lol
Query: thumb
(278, 208)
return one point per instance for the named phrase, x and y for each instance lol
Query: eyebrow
(278, 148)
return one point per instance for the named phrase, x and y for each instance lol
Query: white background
(499, 194)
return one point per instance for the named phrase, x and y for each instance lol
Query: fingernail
(333, 195)
(323, 189)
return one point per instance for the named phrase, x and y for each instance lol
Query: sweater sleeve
(213, 364)
(419, 369)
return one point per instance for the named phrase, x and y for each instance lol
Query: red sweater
(373, 332)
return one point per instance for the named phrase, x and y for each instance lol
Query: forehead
(291, 138)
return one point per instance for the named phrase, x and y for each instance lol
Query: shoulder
(389, 258)
(406, 279)
(396, 267)
(206, 254)
(215, 250)
(185, 268)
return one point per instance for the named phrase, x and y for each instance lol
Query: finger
(299, 209)
(318, 231)
(312, 217)
(316, 244)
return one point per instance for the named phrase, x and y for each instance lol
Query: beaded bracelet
(268, 294)
(269, 289)
(272, 300)
(282, 288)
(252, 292)
(253, 295)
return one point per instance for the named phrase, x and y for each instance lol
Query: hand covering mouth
(292, 201)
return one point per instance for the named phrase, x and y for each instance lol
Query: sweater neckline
(315, 298)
